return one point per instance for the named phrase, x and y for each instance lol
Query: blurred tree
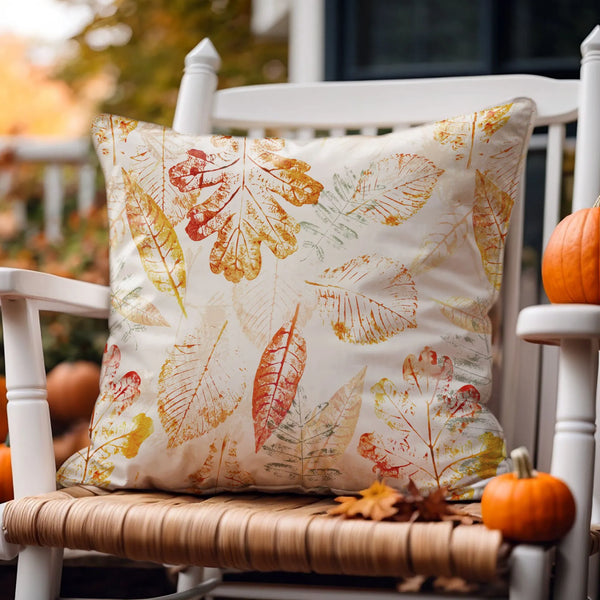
(33, 102)
(141, 45)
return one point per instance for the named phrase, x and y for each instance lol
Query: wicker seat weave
(251, 533)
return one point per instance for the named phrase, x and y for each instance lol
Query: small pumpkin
(6, 484)
(571, 260)
(527, 506)
(73, 388)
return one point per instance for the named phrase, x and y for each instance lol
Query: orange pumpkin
(3, 402)
(527, 506)
(571, 261)
(72, 390)
(6, 486)
(72, 440)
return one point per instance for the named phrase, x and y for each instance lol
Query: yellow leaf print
(491, 216)
(394, 188)
(450, 232)
(461, 132)
(248, 179)
(110, 130)
(467, 313)
(196, 386)
(156, 241)
(135, 308)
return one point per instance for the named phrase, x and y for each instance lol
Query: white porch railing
(54, 155)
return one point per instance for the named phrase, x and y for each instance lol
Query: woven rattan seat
(252, 532)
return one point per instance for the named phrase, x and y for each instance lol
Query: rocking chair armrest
(54, 293)
(553, 323)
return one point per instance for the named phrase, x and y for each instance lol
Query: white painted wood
(194, 103)
(54, 194)
(576, 329)
(306, 60)
(86, 189)
(530, 565)
(385, 103)
(53, 293)
(587, 165)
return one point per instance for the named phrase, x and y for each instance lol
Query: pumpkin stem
(522, 465)
(597, 203)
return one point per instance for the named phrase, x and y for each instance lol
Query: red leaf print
(385, 453)
(279, 372)
(189, 174)
(120, 391)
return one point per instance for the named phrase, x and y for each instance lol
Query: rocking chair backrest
(372, 107)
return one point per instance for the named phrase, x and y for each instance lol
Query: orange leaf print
(279, 372)
(367, 300)
(196, 386)
(393, 189)
(156, 241)
(248, 179)
(107, 128)
(462, 132)
(491, 216)
(221, 469)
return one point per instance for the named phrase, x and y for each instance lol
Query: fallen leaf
(377, 503)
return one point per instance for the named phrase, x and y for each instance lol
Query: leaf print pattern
(109, 435)
(460, 133)
(243, 210)
(491, 216)
(449, 233)
(467, 313)
(134, 307)
(312, 439)
(433, 427)
(367, 300)
(221, 469)
(197, 390)
(109, 130)
(156, 242)
(261, 305)
(336, 223)
(277, 377)
(117, 392)
(394, 188)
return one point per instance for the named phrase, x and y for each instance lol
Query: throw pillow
(303, 315)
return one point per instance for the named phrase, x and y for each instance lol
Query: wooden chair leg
(38, 573)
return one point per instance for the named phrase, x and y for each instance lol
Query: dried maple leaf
(377, 503)
(380, 502)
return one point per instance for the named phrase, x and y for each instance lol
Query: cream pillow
(303, 315)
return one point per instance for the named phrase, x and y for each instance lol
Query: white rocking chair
(302, 110)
